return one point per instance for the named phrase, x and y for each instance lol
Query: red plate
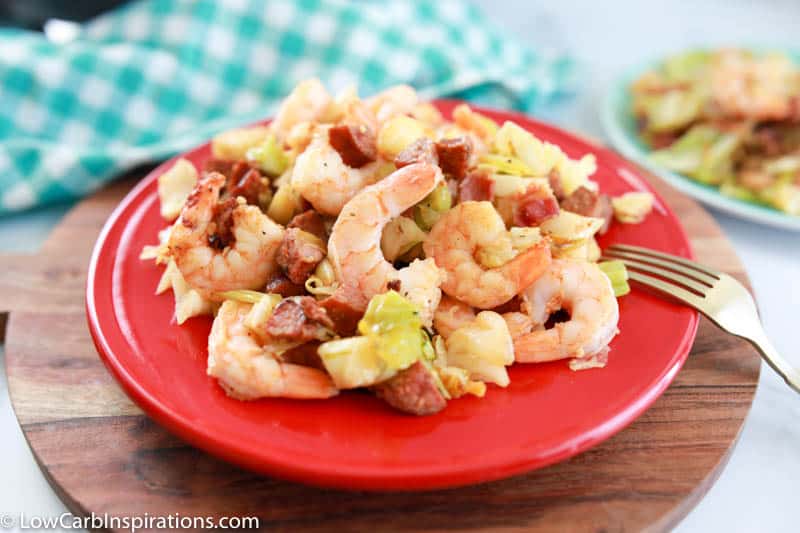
(547, 414)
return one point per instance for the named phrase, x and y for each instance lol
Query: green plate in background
(619, 125)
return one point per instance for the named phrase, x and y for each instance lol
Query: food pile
(371, 243)
(730, 119)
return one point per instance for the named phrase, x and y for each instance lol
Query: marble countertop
(756, 490)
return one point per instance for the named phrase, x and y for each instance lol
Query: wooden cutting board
(103, 455)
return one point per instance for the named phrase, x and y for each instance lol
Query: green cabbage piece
(268, 157)
(391, 339)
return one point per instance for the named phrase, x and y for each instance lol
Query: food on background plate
(372, 243)
(726, 118)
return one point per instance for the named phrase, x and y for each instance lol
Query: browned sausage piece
(222, 235)
(420, 151)
(355, 143)
(477, 186)
(311, 222)
(249, 185)
(412, 390)
(588, 203)
(454, 156)
(282, 285)
(345, 317)
(534, 206)
(240, 179)
(299, 254)
(299, 318)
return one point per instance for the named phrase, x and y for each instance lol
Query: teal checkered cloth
(156, 77)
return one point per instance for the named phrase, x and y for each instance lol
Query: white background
(758, 489)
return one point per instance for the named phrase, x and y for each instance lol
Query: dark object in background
(32, 14)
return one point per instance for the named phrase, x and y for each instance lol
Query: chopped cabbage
(428, 211)
(268, 157)
(391, 340)
(399, 236)
(632, 207)
(483, 348)
(174, 187)
(159, 252)
(399, 132)
(618, 275)
(188, 302)
(285, 204)
(256, 319)
(570, 228)
(234, 144)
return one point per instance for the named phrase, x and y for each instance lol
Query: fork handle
(780, 365)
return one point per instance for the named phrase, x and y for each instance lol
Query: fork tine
(684, 266)
(667, 257)
(668, 288)
(675, 267)
(668, 274)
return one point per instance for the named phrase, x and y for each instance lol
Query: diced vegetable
(188, 302)
(256, 319)
(524, 238)
(569, 227)
(509, 185)
(399, 236)
(483, 347)
(398, 132)
(583, 250)
(159, 252)
(575, 174)
(673, 109)
(539, 157)
(717, 163)
(736, 191)
(395, 322)
(234, 144)
(428, 211)
(325, 272)
(686, 154)
(496, 254)
(632, 207)
(391, 340)
(268, 156)
(440, 199)
(785, 196)
(425, 217)
(687, 66)
(457, 383)
(618, 274)
(504, 164)
(243, 295)
(174, 187)
(354, 362)
(286, 203)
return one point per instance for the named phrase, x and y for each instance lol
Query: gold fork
(721, 298)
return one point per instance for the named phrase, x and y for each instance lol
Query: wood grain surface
(103, 455)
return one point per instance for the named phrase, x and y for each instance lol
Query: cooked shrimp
(465, 232)
(354, 247)
(306, 103)
(452, 315)
(585, 292)
(247, 370)
(397, 100)
(321, 177)
(245, 261)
